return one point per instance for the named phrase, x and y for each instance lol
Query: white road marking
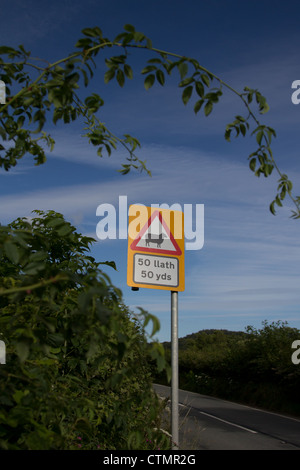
(228, 422)
(223, 420)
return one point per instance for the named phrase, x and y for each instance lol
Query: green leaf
(28, 101)
(22, 350)
(155, 60)
(92, 32)
(148, 43)
(38, 256)
(187, 93)
(129, 28)
(186, 81)
(128, 71)
(149, 68)
(208, 108)
(109, 75)
(227, 134)
(243, 129)
(112, 264)
(160, 77)
(20, 121)
(84, 43)
(205, 79)
(259, 136)
(149, 81)
(283, 193)
(199, 89)
(33, 268)
(120, 78)
(7, 50)
(65, 230)
(19, 394)
(252, 164)
(138, 37)
(263, 105)
(272, 208)
(198, 106)
(264, 108)
(54, 97)
(12, 252)
(55, 222)
(55, 339)
(290, 186)
(94, 102)
(183, 69)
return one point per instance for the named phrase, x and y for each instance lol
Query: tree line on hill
(253, 367)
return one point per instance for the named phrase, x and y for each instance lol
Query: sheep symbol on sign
(159, 240)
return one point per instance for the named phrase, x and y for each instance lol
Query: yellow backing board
(155, 248)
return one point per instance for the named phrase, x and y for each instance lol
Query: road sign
(155, 248)
(156, 261)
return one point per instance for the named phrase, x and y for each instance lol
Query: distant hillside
(202, 337)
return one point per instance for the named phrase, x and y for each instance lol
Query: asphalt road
(208, 423)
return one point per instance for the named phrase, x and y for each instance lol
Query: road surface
(208, 423)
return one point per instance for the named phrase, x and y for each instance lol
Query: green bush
(76, 372)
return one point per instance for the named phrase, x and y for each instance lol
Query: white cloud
(181, 175)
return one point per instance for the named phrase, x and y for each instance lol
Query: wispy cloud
(179, 175)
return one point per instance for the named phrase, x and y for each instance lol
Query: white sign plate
(155, 269)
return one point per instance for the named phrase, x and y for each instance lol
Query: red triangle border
(134, 246)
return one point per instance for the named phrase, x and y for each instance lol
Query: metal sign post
(155, 260)
(174, 367)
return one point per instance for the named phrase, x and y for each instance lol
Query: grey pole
(174, 366)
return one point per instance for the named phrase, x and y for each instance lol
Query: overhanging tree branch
(53, 93)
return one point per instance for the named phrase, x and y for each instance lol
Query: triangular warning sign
(155, 237)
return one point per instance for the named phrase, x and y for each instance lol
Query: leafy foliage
(254, 366)
(76, 357)
(37, 92)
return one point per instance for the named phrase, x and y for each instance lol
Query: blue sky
(248, 268)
